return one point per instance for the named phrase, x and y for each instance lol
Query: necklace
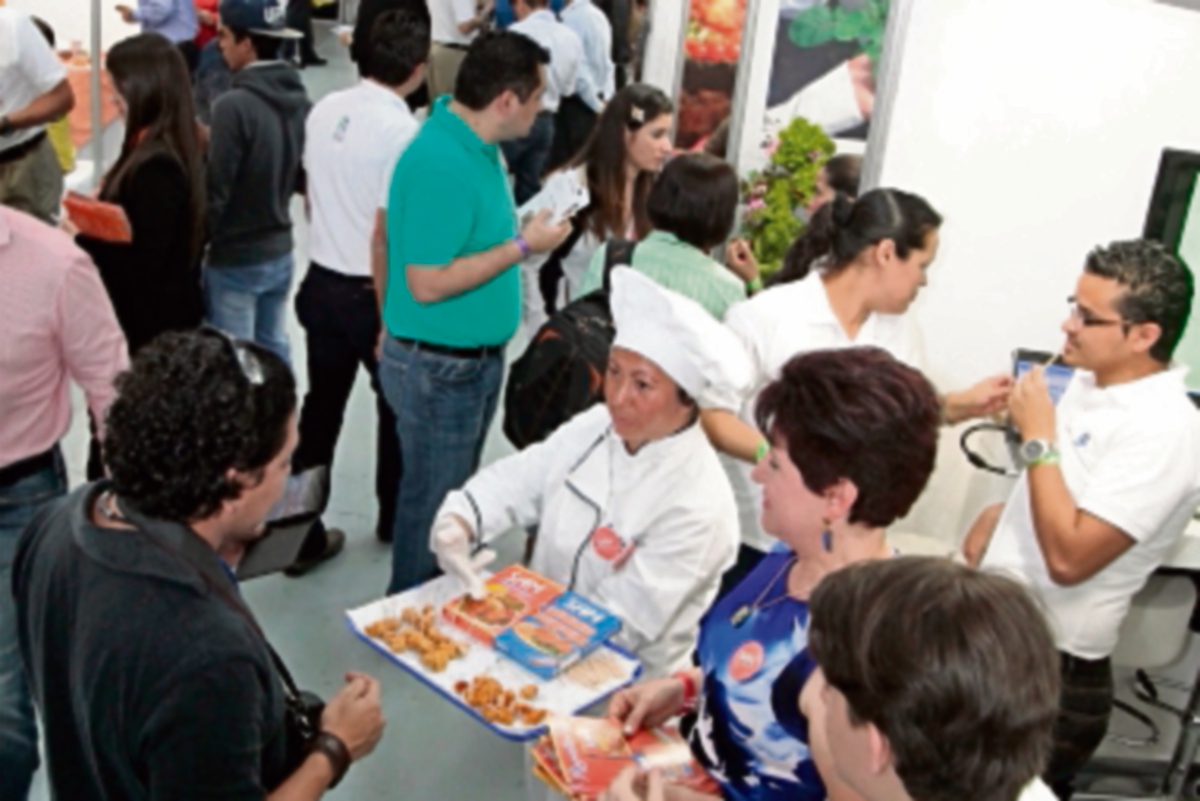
(745, 611)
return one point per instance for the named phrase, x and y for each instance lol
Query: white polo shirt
(28, 69)
(784, 322)
(353, 139)
(566, 54)
(1130, 455)
(444, 18)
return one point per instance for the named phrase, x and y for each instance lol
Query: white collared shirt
(566, 54)
(1130, 455)
(353, 139)
(28, 69)
(444, 18)
(784, 322)
(597, 76)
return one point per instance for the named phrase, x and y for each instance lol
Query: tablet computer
(1057, 375)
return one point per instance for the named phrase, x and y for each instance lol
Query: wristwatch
(332, 747)
(1038, 451)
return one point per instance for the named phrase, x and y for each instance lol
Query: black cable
(978, 461)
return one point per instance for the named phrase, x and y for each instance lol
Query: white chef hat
(699, 353)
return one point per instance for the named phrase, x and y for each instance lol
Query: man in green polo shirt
(452, 298)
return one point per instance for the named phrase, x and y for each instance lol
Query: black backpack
(561, 373)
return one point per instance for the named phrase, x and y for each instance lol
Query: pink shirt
(56, 322)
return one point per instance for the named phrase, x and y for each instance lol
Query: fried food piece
(415, 631)
(529, 692)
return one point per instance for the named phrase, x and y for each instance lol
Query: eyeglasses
(1088, 320)
(247, 362)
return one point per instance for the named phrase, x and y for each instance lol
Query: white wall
(72, 20)
(1035, 127)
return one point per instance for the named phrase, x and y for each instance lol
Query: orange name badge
(746, 661)
(609, 546)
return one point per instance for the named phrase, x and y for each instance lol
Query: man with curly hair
(1112, 478)
(152, 677)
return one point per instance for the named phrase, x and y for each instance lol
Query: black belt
(22, 150)
(19, 471)
(1078, 666)
(329, 272)
(446, 350)
(451, 45)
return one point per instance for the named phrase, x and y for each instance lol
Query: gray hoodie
(254, 165)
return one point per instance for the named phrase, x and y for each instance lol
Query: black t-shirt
(150, 686)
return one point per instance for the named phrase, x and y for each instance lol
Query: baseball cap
(262, 17)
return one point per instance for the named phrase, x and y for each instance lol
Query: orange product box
(591, 752)
(546, 767)
(97, 219)
(513, 593)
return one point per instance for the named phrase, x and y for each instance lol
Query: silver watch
(1038, 451)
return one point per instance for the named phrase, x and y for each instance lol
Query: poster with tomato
(712, 46)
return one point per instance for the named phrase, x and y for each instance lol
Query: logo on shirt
(746, 661)
(1082, 440)
(609, 546)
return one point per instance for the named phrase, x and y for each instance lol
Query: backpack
(561, 373)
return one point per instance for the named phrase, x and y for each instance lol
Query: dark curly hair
(857, 414)
(1158, 288)
(955, 667)
(186, 413)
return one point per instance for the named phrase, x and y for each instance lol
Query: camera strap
(199, 555)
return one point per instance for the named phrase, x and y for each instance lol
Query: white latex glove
(451, 543)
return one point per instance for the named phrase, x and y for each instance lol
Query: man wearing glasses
(1112, 477)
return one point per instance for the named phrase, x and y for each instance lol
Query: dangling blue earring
(827, 537)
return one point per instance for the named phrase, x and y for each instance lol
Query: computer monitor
(1174, 220)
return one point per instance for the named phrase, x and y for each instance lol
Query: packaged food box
(512, 594)
(582, 756)
(556, 636)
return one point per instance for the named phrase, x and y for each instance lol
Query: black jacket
(149, 685)
(254, 165)
(154, 281)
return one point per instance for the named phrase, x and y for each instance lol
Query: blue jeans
(444, 406)
(251, 302)
(18, 726)
(527, 157)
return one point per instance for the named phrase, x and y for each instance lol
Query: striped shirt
(678, 266)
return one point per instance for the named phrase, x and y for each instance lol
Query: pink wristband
(522, 246)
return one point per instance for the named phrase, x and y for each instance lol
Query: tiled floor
(431, 751)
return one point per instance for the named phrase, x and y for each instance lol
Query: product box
(559, 634)
(582, 756)
(513, 593)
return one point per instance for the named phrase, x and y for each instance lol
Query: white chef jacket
(598, 75)
(28, 69)
(671, 500)
(1130, 455)
(786, 321)
(353, 139)
(566, 54)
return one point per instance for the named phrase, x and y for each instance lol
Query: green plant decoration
(821, 24)
(772, 195)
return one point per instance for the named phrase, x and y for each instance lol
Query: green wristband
(761, 451)
(756, 285)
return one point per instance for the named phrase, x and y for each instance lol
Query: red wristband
(689, 689)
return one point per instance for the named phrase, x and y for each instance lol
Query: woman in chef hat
(633, 509)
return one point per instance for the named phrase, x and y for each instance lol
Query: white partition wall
(72, 20)
(1035, 127)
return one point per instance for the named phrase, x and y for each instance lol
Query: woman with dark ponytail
(855, 272)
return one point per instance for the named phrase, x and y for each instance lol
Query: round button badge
(746, 661)
(607, 544)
